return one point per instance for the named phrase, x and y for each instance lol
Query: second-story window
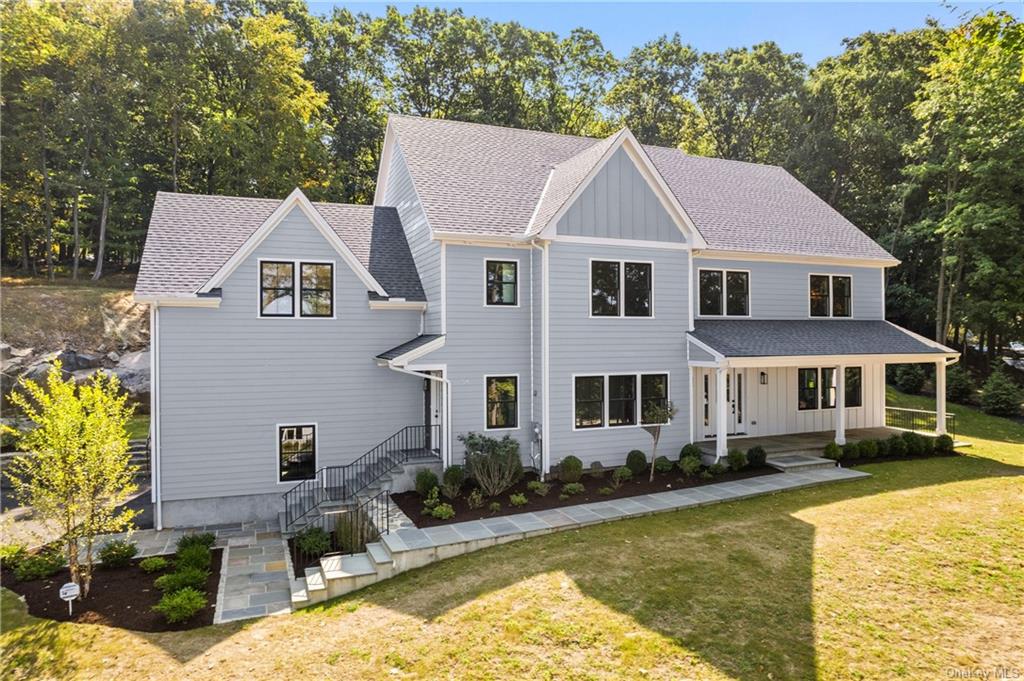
(502, 282)
(830, 295)
(283, 282)
(724, 292)
(317, 294)
(621, 289)
(277, 289)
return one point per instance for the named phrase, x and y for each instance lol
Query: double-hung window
(502, 281)
(277, 289)
(853, 391)
(621, 289)
(830, 295)
(617, 400)
(622, 400)
(296, 453)
(724, 292)
(502, 394)
(280, 288)
(807, 389)
(818, 387)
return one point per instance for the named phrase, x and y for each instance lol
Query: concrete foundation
(219, 510)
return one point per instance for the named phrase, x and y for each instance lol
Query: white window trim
(638, 399)
(725, 294)
(622, 288)
(506, 307)
(831, 295)
(277, 450)
(297, 264)
(519, 416)
(821, 387)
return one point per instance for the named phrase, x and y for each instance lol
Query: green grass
(138, 427)
(910, 573)
(972, 424)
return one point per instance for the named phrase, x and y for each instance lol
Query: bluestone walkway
(254, 578)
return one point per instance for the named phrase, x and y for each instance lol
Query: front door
(735, 394)
(432, 406)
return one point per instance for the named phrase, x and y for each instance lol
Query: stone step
(379, 554)
(341, 567)
(791, 463)
(315, 580)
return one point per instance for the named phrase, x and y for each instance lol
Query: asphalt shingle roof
(487, 180)
(798, 337)
(191, 235)
(408, 346)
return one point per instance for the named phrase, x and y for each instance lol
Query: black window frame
(628, 295)
(488, 401)
(626, 292)
(859, 383)
(576, 402)
(303, 289)
(603, 295)
(263, 288)
(280, 454)
(811, 293)
(724, 300)
(491, 283)
(801, 390)
(829, 304)
(623, 408)
(827, 381)
(847, 299)
(664, 401)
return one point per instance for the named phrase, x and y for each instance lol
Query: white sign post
(69, 592)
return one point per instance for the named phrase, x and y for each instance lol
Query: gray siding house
(546, 287)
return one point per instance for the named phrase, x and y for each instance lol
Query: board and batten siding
(401, 194)
(619, 204)
(781, 290)
(227, 378)
(584, 345)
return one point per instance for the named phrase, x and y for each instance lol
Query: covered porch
(779, 445)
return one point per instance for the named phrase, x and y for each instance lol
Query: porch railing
(346, 531)
(918, 420)
(340, 484)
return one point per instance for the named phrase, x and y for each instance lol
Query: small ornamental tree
(657, 415)
(77, 472)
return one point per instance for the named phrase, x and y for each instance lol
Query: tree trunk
(74, 211)
(656, 435)
(77, 243)
(25, 255)
(102, 241)
(48, 212)
(940, 308)
(174, 162)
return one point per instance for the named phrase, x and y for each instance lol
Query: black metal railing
(339, 484)
(341, 532)
(918, 420)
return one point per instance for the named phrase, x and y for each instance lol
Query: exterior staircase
(139, 451)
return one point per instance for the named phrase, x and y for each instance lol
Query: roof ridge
(269, 199)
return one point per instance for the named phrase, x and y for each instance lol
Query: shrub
(118, 553)
(573, 488)
(606, 491)
(689, 450)
(959, 385)
(539, 488)
(663, 465)
(494, 507)
(182, 578)
(11, 555)
(475, 499)
(194, 557)
(154, 564)
(737, 459)
(909, 378)
(833, 451)
(443, 512)
(1000, 396)
(452, 481)
(181, 605)
(897, 446)
(927, 445)
(204, 539)
(621, 475)
(883, 448)
(757, 456)
(432, 500)
(426, 481)
(851, 450)
(717, 469)
(596, 470)
(494, 464)
(690, 465)
(868, 449)
(571, 469)
(38, 566)
(518, 500)
(564, 497)
(944, 444)
(314, 541)
(706, 474)
(636, 462)
(915, 445)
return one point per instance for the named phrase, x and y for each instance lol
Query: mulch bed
(412, 504)
(118, 597)
(860, 461)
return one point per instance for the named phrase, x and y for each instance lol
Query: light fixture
(764, 378)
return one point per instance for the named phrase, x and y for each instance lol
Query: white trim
(622, 288)
(295, 199)
(277, 450)
(156, 495)
(384, 166)
(540, 200)
(488, 240)
(446, 422)
(296, 288)
(546, 359)
(829, 360)
(444, 288)
(725, 295)
(502, 260)
(396, 304)
(414, 354)
(519, 420)
(884, 282)
(689, 295)
(706, 348)
(836, 260)
(620, 243)
(179, 301)
(831, 295)
(637, 399)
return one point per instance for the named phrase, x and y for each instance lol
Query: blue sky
(815, 29)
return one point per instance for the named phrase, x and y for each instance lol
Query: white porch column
(840, 405)
(940, 396)
(721, 414)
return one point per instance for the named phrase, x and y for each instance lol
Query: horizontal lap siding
(580, 345)
(228, 377)
(780, 290)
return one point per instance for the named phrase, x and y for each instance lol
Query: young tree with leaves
(657, 415)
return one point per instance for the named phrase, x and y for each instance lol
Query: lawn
(913, 573)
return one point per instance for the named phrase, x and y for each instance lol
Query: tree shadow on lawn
(731, 583)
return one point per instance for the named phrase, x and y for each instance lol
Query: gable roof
(193, 236)
(489, 181)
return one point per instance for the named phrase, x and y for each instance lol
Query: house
(509, 282)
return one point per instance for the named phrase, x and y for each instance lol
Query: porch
(779, 445)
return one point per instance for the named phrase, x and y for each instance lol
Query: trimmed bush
(570, 470)
(717, 469)
(883, 448)
(314, 541)
(909, 378)
(927, 445)
(518, 500)
(959, 385)
(690, 465)
(494, 464)
(851, 450)
(539, 488)
(868, 449)
(154, 564)
(606, 491)
(621, 475)
(181, 605)
(426, 480)
(118, 553)
(915, 445)
(636, 462)
(443, 512)
(193, 557)
(573, 488)
(689, 450)
(757, 456)
(182, 578)
(1000, 396)
(452, 481)
(944, 444)
(38, 566)
(663, 465)
(737, 459)
(897, 446)
(12, 554)
(203, 539)
(596, 470)
(475, 499)
(833, 451)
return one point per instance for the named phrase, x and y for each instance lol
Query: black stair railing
(348, 531)
(340, 484)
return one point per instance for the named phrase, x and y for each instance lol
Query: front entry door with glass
(735, 394)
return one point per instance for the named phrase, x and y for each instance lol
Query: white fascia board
(715, 254)
(490, 240)
(385, 165)
(823, 360)
(705, 347)
(397, 304)
(927, 341)
(295, 199)
(416, 353)
(179, 301)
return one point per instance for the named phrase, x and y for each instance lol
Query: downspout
(545, 453)
(154, 418)
(446, 457)
(533, 389)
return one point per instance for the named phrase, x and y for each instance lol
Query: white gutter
(545, 451)
(154, 418)
(446, 456)
(533, 390)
